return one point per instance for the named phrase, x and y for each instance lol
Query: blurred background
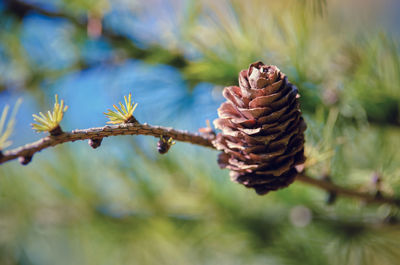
(125, 204)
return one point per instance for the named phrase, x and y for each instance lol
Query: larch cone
(262, 138)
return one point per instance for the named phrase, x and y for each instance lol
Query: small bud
(56, 131)
(164, 144)
(377, 185)
(131, 119)
(24, 160)
(94, 143)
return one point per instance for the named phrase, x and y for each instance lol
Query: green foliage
(373, 77)
(123, 114)
(6, 130)
(52, 119)
(96, 207)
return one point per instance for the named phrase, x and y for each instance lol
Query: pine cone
(262, 135)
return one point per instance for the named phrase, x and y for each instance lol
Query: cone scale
(262, 131)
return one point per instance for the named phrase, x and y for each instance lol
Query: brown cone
(262, 135)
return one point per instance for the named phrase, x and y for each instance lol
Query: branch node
(132, 119)
(56, 131)
(25, 160)
(164, 144)
(95, 142)
(377, 185)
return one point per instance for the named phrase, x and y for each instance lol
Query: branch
(330, 187)
(98, 133)
(27, 151)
